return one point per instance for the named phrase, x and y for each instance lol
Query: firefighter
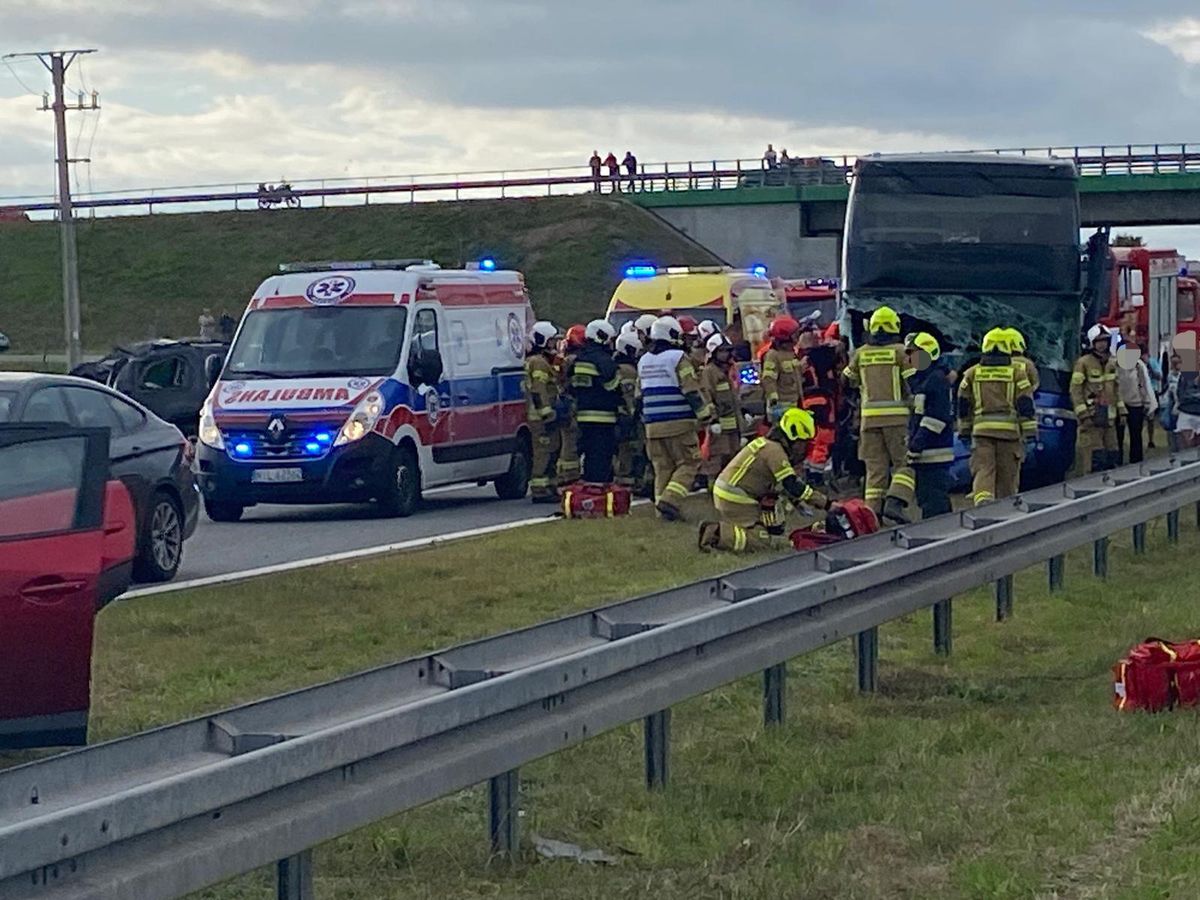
(693, 344)
(782, 372)
(672, 410)
(568, 456)
(595, 386)
(643, 324)
(706, 330)
(631, 439)
(1017, 340)
(995, 410)
(724, 434)
(542, 408)
(931, 425)
(880, 374)
(746, 493)
(1097, 404)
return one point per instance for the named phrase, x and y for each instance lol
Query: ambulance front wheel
(402, 494)
(514, 484)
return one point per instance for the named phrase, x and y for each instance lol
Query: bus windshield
(316, 340)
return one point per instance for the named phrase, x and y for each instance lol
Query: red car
(67, 535)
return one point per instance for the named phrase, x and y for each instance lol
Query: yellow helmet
(997, 340)
(884, 319)
(1016, 339)
(923, 340)
(797, 424)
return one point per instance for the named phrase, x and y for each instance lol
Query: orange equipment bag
(1157, 675)
(583, 500)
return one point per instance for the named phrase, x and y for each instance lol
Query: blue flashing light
(312, 447)
(488, 264)
(760, 270)
(748, 374)
(242, 448)
(640, 272)
(323, 437)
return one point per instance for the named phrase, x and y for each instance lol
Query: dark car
(167, 377)
(150, 456)
(4, 342)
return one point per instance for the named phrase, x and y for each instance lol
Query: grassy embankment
(999, 772)
(150, 276)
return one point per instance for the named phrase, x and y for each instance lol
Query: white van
(351, 382)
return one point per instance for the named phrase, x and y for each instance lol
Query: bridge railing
(717, 174)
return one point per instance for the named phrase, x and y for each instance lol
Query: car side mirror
(212, 369)
(116, 559)
(425, 367)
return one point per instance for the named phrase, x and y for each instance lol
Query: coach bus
(960, 243)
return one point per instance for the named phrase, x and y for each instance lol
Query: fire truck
(1147, 294)
(807, 296)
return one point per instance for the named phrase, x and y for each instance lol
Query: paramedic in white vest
(673, 411)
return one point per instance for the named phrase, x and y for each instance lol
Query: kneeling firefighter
(931, 425)
(747, 492)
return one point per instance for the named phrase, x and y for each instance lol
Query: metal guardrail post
(1139, 539)
(1004, 597)
(294, 878)
(1100, 558)
(657, 733)
(504, 803)
(1173, 527)
(866, 645)
(774, 694)
(943, 627)
(1056, 568)
(1198, 515)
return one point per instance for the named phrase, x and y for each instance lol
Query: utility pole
(57, 62)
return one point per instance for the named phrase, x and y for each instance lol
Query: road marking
(412, 544)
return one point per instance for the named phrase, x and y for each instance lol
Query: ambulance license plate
(276, 476)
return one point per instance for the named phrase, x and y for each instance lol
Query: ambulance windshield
(318, 341)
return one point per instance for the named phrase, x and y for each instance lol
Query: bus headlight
(362, 420)
(209, 433)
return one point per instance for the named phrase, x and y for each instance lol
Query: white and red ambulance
(352, 382)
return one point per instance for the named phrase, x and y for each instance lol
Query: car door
(53, 481)
(163, 384)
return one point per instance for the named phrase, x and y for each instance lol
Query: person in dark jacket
(595, 383)
(931, 425)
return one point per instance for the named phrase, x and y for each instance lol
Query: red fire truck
(1145, 296)
(804, 296)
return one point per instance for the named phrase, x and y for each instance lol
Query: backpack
(1157, 675)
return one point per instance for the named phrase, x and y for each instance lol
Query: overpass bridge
(789, 217)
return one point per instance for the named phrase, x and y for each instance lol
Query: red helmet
(576, 337)
(833, 333)
(783, 328)
(687, 325)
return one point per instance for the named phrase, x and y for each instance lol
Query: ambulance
(369, 381)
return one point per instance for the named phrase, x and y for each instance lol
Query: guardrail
(170, 811)
(720, 174)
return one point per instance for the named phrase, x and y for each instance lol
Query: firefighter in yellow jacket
(1097, 404)
(569, 468)
(716, 386)
(747, 492)
(542, 410)
(881, 375)
(995, 411)
(1017, 341)
(782, 371)
(630, 464)
(673, 411)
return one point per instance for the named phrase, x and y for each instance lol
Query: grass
(999, 772)
(150, 276)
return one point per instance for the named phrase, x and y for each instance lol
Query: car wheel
(162, 540)
(223, 510)
(402, 494)
(514, 484)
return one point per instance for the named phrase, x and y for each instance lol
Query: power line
(13, 71)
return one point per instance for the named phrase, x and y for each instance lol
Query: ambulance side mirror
(212, 369)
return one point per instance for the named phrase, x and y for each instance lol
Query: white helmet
(1096, 332)
(600, 331)
(542, 334)
(666, 328)
(707, 329)
(716, 342)
(629, 342)
(628, 327)
(644, 323)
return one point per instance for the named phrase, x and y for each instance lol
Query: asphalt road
(269, 535)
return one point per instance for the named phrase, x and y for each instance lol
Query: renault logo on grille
(276, 428)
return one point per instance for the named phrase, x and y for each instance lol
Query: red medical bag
(583, 500)
(843, 522)
(1158, 674)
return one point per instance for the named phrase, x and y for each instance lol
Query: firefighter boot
(710, 535)
(896, 510)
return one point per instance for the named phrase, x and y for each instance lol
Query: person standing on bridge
(595, 162)
(630, 163)
(614, 171)
(770, 158)
(996, 413)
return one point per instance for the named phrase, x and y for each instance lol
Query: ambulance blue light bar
(641, 272)
(488, 264)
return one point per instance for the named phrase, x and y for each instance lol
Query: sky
(221, 91)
